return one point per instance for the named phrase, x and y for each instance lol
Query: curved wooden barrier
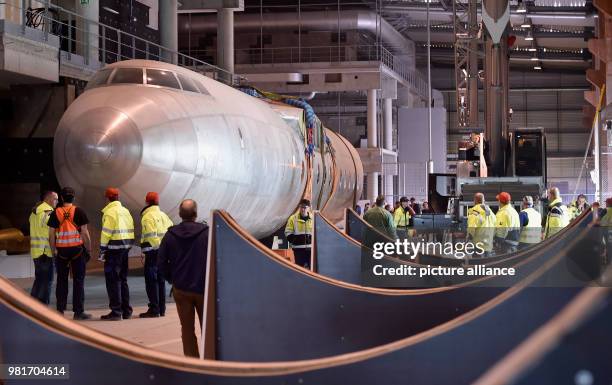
(455, 352)
(575, 343)
(252, 292)
(334, 255)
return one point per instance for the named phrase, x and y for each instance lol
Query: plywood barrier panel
(337, 256)
(269, 310)
(581, 353)
(354, 225)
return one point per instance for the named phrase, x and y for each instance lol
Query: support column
(496, 16)
(168, 29)
(389, 188)
(372, 177)
(597, 153)
(225, 39)
(87, 39)
(372, 113)
(388, 145)
(372, 182)
(388, 124)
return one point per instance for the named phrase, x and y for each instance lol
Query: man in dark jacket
(182, 258)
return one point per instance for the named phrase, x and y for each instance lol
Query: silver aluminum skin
(224, 149)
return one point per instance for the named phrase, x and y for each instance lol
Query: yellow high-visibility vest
(117, 227)
(155, 223)
(557, 218)
(297, 226)
(401, 217)
(481, 226)
(507, 223)
(39, 231)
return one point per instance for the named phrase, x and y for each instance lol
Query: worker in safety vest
(531, 224)
(401, 217)
(299, 233)
(481, 225)
(115, 242)
(558, 215)
(71, 244)
(507, 224)
(40, 249)
(578, 206)
(154, 223)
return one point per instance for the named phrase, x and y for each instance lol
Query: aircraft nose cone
(102, 147)
(97, 148)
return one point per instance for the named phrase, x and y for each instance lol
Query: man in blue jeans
(40, 249)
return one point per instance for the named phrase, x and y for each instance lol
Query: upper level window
(188, 84)
(162, 78)
(127, 75)
(100, 78)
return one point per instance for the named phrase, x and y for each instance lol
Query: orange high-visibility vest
(67, 235)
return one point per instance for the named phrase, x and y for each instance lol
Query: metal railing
(326, 54)
(100, 43)
(406, 72)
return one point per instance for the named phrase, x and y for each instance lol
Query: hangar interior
(359, 64)
(399, 89)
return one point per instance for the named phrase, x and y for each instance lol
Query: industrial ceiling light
(529, 36)
(521, 8)
(532, 48)
(537, 67)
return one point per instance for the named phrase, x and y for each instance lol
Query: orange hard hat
(112, 192)
(503, 197)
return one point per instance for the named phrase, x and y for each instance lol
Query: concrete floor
(163, 333)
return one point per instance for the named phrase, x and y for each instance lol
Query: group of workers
(404, 203)
(298, 230)
(505, 231)
(60, 238)
(509, 230)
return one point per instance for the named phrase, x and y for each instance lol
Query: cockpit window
(127, 75)
(188, 84)
(162, 78)
(202, 88)
(100, 78)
